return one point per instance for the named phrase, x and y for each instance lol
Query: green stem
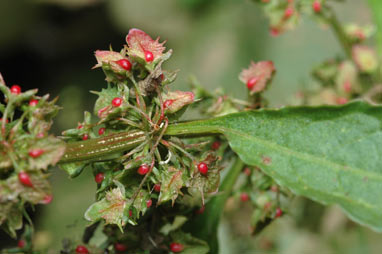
(339, 32)
(193, 128)
(94, 149)
(376, 9)
(97, 148)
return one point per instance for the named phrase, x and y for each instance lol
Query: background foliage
(49, 44)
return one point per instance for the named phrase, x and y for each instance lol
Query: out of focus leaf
(191, 244)
(177, 223)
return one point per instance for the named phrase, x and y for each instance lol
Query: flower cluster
(26, 151)
(152, 173)
(285, 15)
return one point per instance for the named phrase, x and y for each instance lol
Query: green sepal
(73, 169)
(111, 208)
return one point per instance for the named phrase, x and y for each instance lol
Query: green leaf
(177, 223)
(103, 103)
(171, 183)
(110, 208)
(140, 202)
(74, 169)
(201, 185)
(53, 148)
(10, 223)
(330, 154)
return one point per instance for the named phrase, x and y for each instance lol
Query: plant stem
(193, 128)
(97, 148)
(94, 149)
(376, 7)
(339, 32)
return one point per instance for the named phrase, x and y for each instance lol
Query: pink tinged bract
(262, 72)
(178, 100)
(139, 43)
(365, 58)
(106, 56)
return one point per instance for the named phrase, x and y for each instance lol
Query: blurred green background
(49, 44)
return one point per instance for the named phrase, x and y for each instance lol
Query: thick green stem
(192, 128)
(95, 149)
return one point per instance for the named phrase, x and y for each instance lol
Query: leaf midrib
(303, 156)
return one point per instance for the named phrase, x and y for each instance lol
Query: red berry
(244, 197)
(81, 250)
(341, 100)
(203, 168)
(215, 145)
(274, 188)
(47, 199)
(288, 12)
(157, 187)
(80, 126)
(35, 153)
(251, 83)
(33, 102)
(25, 179)
(21, 243)
(149, 56)
(116, 102)
(316, 6)
(347, 86)
(101, 131)
(167, 103)
(6, 120)
(99, 177)
(360, 35)
(267, 205)
(200, 210)
(161, 77)
(120, 247)
(247, 171)
(279, 212)
(176, 247)
(125, 64)
(130, 213)
(143, 169)
(149, 203)
(85, 137)
(274, 31)
(40, 135)
(15, 89)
